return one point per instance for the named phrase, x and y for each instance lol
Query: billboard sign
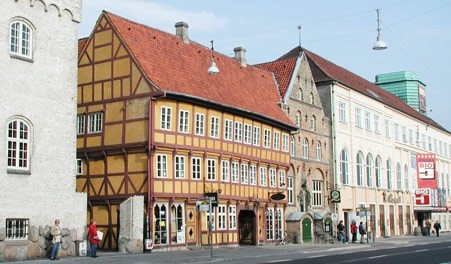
(426, 171)
(423, 197)
(422, 97)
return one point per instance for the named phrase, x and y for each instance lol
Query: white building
(38, 68)
(376, 137)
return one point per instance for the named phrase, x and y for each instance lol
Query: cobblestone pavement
(244, 254)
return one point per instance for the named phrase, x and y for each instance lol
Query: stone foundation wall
(37, 245)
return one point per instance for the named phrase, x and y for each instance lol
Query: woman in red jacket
(93, 238)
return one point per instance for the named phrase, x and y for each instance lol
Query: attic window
(374, 94)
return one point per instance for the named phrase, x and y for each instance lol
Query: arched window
(305, 149)
(21, 38)
(292, 146)
(369, 170)
(300, 95)
(18, 146)
(318, 150)
(398, 176)
(389, 175)
(298, 119)
(359, 168)
(313, 123)
(378, 171)
(311, 98)
(344, 167)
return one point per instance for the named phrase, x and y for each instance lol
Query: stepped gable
(283, 70)
(324, 71)
(175, 67)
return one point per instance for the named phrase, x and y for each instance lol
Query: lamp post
(210, 226)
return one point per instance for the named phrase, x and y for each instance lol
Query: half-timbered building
(152, 122)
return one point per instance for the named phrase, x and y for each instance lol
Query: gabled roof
(81, 45)
(283, 70)
(326, 71)
(175, 67)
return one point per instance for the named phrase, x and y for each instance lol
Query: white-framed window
(232, 217)
(398, 176)
(247, 134)
(369, 170)
(17, 228)
(183, 121)
(253, 175)
(235, 172)
(238, 131)
(389, 175)
(178, 223)
(290, 190)
(18, 146)
(196, 168)
(200, 124)
(305, 149)
(300, 94)
(272, 177)
(160, 223)
(430, 143)
(317, 193)
(404, 134)
(214, 127)
(211, 169)
(95, 122)
(397, 132)
(406, 177)
(342, 112)
(311, 98)
(367, 121)
(318, 150)
(358, 117)
(281, 178)
(278, 223)
(270, 223)
(276, 142)
(79, 170)
(344, 171)
(411, 136)
(423, 142)
(313, 123)
(263, 176)
(244, 173)
(179, 167)
(165, 118)
(387, 128)
(292, 146)
(360, 167)
(222, 217)
(21, 39)
(298, 120)
(257, 135)
(81, 123)
(162, 166)
(228, 130)
(225, 170)
(285, 138)
(267, 139)
(377, 125)
(378, 171)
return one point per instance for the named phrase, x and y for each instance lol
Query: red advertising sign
(426, 171)
(422, 197)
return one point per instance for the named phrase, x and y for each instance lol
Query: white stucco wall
(43, 92)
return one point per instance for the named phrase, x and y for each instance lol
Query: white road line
(421, 250)
(317, 256)
(280, 260)
(375, 257)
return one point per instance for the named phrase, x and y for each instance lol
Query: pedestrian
(354, 231)
(341, 232)
(55, 231)
(93, 238)
(437, 228)
(428, 228)
(362, 232)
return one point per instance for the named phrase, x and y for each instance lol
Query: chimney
(181, 30)
(239, 56)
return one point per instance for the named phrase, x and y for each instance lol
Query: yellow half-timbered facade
(152, 122)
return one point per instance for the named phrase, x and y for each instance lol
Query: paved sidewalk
(243, 254)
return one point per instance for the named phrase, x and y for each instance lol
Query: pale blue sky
(417, 32)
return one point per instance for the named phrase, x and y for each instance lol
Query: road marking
(375, 257)
(280, 260)
(421, 250)
(317, 256)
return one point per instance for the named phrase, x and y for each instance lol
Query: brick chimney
(239, 56)
(181, 30)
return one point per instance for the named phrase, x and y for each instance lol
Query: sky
(417, 33)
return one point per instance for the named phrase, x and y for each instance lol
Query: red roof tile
(283, 70)
(324, 71)
(176, 67)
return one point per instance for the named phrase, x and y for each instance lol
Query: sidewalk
(243, 254)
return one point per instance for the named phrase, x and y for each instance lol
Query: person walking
(437, 228)
(55, 231)
(354, 231)
(341, 232)
(93, 238)
(362, 232)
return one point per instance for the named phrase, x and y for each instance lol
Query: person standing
(55, 231)
(437, 228)
(362, 232)
(341, 232)
(354, 231)
(93, 238)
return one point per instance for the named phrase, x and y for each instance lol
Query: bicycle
(281, 239)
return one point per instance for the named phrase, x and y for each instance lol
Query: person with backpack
(55, 232)
(354, 231)
(362, 232)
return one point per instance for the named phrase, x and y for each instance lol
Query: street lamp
(213, 69)
(379, 44)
